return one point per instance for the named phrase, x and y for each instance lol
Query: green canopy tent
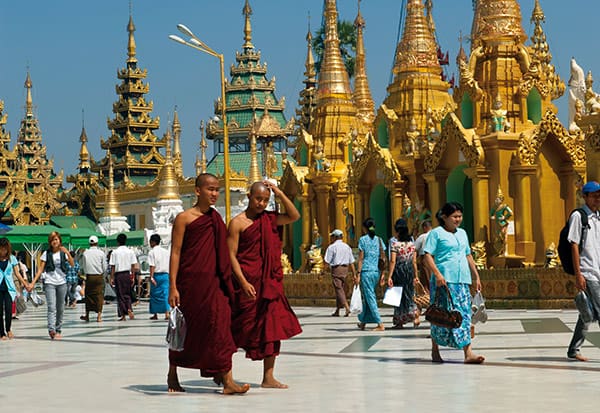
(134, 239)
(79, 237)
(34, 238)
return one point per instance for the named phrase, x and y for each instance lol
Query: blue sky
(73, 49)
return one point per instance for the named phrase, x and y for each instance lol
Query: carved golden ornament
(593, 138)
(530, 145)
(497, 19)
(479, 254)
(469, 145)
(383, 160)
(468, 83)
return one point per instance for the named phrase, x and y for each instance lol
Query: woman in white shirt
(54, 267)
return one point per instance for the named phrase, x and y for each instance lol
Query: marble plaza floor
(330, 367)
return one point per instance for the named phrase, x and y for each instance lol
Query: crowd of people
(228, 281)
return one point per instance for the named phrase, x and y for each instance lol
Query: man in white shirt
(586, 261)
(93, 265)
(338, 258)
(123, 262)
(158, 259)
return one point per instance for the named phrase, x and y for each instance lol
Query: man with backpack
(585, 251)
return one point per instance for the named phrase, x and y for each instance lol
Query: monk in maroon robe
(201, 285)
(262, 315)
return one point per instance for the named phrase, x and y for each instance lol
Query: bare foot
(436, 357)
(273, 384)
(578, 357)
(84, 318)
(58, 336)
(234, 388)
(4, 338)
(361, 325)
(10, 335)
(473, 359)
(380, 327)
(154, 317)
(131, 315)
(99, 318)
(52, 334)
(173, 384)
(121, 318)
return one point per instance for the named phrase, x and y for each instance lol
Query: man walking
(93, 265)
(263, 316)
(586, 261)
(339, 257)
(122, 273)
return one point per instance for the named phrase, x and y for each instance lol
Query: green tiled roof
(240, 163)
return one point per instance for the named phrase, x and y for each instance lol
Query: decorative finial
(131, 43)
(254, 173)
(111, 205)
(203, 146)
(247, 12)
(28, 99)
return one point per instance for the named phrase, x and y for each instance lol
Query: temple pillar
(523, 178)
(436, 182)
(480, 182)
(340, 218)
(359, 211)
(397, 197)
(306, 228)
(322, 192)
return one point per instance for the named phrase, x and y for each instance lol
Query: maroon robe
(206, 291)
(259, 325)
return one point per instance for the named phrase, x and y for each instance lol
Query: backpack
(564, 246)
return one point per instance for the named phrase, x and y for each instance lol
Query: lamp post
(195, 43)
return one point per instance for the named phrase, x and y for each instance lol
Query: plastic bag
(20, 304)
(583, 304)
(478, 308)
(35, 298)
(176, 330)
(356, 301)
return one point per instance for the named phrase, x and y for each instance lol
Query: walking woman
(9, 265)
(370, 249)
(448, 256)
(54, 266)
(403, 268)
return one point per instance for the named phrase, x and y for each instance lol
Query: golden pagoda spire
(417, 49)
(111, 205)
(131, 42)
(202, 163)
(362, 93)
(28, 99)
(334, 82)
(84, 154)
(177, 158)
(430, 22)
(308, 101)
(247, 12)
(497, 21)
(168, 186)
(309, 64)
(254, 173)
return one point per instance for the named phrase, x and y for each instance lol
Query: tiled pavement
(330, 367)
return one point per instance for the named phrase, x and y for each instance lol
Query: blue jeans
(55, 298)
(581, 328)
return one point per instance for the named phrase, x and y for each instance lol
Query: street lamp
(195, 43)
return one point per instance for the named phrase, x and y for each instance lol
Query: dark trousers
(339, 274)
(123, 290)
(6, 312)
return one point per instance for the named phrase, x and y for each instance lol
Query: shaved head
(204, 178)
(258, 187)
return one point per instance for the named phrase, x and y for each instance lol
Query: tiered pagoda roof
(251, 104)
(31, 187)
(134, 147)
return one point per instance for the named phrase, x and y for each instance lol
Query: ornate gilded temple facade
(256, 123)
(29, 187)
(492, 142)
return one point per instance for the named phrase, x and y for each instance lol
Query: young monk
(262, 317)
(200, 284)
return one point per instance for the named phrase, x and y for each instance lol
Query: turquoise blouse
(7, 275)
(450, 251)
(371, 250)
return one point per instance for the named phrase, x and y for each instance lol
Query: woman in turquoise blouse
(448, 256)
(370, 248)
(8, 291)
